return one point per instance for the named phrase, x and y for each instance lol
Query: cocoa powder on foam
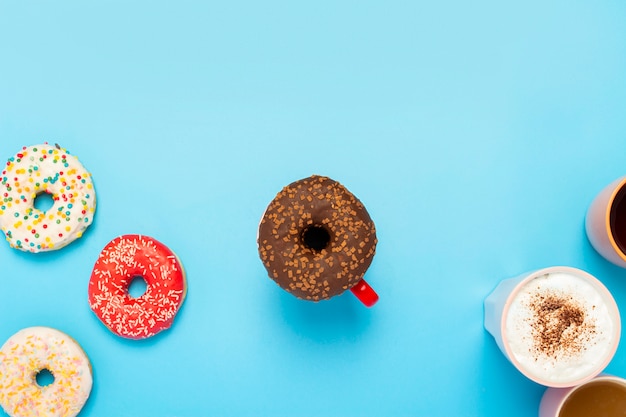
(560, 327)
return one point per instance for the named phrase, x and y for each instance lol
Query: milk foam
(590, 343)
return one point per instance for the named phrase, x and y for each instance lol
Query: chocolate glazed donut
(316, 239)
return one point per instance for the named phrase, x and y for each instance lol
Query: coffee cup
(605, 222)
(604, 395)
(559, 326)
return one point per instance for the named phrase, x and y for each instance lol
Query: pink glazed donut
(123, 259)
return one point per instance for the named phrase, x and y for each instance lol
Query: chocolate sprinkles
(316, 239)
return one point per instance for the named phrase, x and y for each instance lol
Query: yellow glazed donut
(45, 169)
(32, 350)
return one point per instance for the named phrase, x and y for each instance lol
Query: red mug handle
(365, 293)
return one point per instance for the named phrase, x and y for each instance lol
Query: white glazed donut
(45, 169)
(28, 352)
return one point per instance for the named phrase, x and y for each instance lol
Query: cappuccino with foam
(559, 326)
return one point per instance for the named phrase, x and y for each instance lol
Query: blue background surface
(475, 134)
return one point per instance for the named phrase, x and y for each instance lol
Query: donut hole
(137, 287)
(43, 201)
(316, 237)
(44, 377)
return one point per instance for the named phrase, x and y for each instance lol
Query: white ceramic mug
(583, 400)
(558, 326)
(605, 222)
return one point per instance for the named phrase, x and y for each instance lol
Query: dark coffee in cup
(605, 222)
(618, 219)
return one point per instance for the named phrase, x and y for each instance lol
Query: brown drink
(605, 222)
(601, 398)
(618, 219)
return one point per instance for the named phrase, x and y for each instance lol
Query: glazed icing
(31, 350)
(123, 259)
(45, 169)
